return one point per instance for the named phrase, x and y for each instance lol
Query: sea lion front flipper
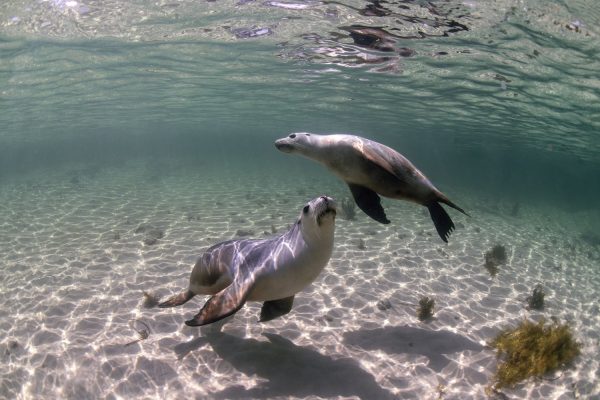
(228, 301)
(275, 308)
(441, 219)
(178, 299)
(368, 201)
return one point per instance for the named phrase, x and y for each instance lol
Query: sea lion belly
(291, 276)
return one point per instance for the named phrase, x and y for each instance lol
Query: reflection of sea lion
(269, 270)
(373, 38)
(370, 168)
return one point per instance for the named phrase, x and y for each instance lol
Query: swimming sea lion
(370, 168)
(270, 270)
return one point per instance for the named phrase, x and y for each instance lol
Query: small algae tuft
(425, 309)
(536, 300)
(150, 299)
(348, 209)
(384, 305)
(495, 257)
(361, 244)
(151, 234)
(532, 350)
(143, 331)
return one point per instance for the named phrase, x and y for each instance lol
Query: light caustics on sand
(76, 270)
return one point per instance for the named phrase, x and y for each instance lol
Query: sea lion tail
(178, 299)
(441, 220)
(445, 200)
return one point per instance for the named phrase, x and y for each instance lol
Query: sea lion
(269, 270)
(370, 168)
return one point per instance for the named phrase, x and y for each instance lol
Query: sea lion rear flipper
(445, 200)
(441, 219)
(275, 308)
(368, 201)
(178, 299)
(228, 301)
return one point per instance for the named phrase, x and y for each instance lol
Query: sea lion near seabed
(371, 169)
(269, 270)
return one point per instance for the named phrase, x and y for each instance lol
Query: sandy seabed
(80, 246)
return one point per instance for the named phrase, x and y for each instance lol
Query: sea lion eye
(305, 209)
(292, 136)
(308, 134)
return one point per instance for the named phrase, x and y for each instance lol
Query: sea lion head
(300, 142)
(317, 218)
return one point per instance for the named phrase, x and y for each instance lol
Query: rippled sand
(74, 271)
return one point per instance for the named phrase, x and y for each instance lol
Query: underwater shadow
(291, 371)
(182, 349)
(409, 340)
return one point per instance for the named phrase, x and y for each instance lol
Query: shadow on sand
(289, 370)
(409, 340)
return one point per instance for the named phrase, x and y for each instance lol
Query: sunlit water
(117, 115)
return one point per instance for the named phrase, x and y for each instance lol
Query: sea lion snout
(297, 142)
(284, 145)
(325, 205)
(330, 203)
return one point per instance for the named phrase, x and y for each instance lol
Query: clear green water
(496, 101)
(511, 104)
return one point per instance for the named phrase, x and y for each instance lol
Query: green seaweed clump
(536, 300)
(495, 257)
(532, 350)
(425, 309)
